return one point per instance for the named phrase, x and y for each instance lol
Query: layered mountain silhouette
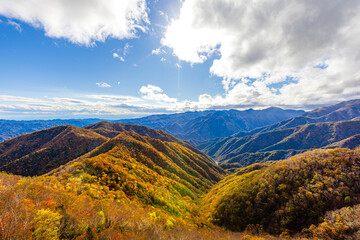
(325, 127)
(194, 126)
(201, 126)
(344, 111)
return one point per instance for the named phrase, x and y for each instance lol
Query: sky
(118, 59)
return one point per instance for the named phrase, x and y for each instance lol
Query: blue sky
(171, 56)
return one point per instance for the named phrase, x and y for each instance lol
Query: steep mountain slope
(287, 195)
(39, 152)
(344, 111)
(352, 142)
(279, 144)
(159, 181)
(111, 130)
(12, 128)
(201, 126)
(160, 173)
(286, 138)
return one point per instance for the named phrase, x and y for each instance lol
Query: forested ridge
(288, 195)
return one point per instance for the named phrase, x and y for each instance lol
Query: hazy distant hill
(200, 126)
(12, 128)
(196, 126)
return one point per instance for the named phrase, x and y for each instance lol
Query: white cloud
(15, 25)
(259, 43)
(115, 55)
(151, 92)
(124, 51)
(158, 51)
(103, 85)
(90, 106)
(82, 21)
(178, 65)
(163, 59)
(115, 98)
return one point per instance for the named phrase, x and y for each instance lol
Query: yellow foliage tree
(47, 225)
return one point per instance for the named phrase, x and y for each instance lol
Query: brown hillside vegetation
(131, 187)
(66, 208)
(286, 195)
(40, 152)
(111, 130)
(342, 223)
(163, 174)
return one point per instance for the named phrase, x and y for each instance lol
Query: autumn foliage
(287, 195)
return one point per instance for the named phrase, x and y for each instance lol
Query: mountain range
(203, 126)
(319, 128)
(194, 126)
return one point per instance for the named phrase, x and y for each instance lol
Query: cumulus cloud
(103, 85)
(82, 22)
(151, 92)
(292, 53)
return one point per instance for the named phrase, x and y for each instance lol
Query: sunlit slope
(111, 130)
(162, 174)
(286, 195)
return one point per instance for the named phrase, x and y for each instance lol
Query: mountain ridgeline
(202, 126)
(42, 151)
(316, 129)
